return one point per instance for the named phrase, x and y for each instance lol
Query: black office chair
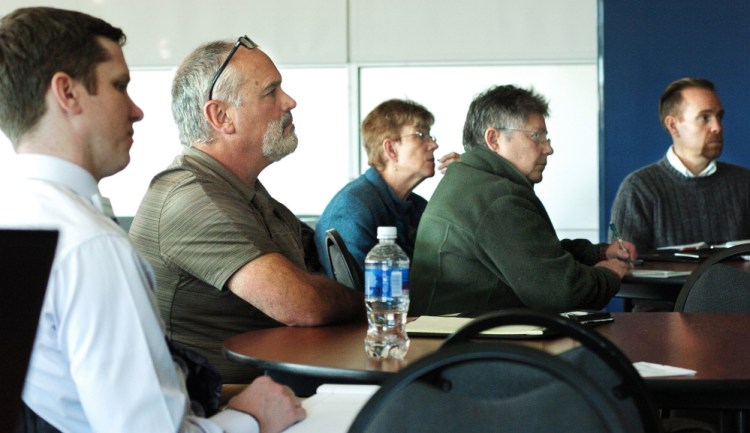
(496, 386)
(25, 262)
(343, 266)
(715, 286)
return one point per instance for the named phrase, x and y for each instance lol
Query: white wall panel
(356, 34)
(162, 32)
(473, 30)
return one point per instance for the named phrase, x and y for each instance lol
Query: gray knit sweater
(657, 206)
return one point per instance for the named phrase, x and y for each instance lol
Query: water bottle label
(396, 283)
(387, 283)
(404, 282)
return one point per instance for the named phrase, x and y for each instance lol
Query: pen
(688, 255)
(616, 233)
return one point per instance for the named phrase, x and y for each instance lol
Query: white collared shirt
(679, 166)
(100, 362)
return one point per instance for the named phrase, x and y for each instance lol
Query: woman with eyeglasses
(400, 152)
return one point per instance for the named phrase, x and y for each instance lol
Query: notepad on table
(698, 248)
(731, 244)
(443, 326)
(649, 369)
(657, 273)
(686, 247)
(333, 408)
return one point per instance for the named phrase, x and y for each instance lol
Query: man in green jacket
(496, 247)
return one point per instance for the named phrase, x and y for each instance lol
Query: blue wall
(647, 44)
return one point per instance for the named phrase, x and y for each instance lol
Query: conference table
(713, 344)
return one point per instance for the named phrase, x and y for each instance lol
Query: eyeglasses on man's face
(538, 137)
(421, 136)
(241, 41)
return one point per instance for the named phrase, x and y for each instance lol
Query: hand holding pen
(621, 247)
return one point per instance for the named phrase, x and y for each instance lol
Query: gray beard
(275, 145)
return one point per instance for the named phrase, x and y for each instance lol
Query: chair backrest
(715, 286)
(496, 386)
(309, 219)
(343, 266)
(26, 258)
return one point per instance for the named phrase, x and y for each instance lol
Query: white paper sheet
(649, 369)
(333, 408)
(442, 326)
(657, 273)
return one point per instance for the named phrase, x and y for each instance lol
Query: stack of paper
(686, 247)
(731, 244)
(333, 408)
(443, 326)
(734, 244)
(703, 246)
(649, 369)
(657, 273)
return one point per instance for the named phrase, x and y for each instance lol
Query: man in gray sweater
(687, 196)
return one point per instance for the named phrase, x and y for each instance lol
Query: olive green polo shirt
(197, 225)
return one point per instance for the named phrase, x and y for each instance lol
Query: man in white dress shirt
(100, 361)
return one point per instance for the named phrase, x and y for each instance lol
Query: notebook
(693, 256)
(25, 262)
(657, 273)
(441, 326)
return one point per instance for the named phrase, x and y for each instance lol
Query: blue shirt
(359, 209)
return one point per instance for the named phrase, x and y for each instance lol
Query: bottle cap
(386, 232)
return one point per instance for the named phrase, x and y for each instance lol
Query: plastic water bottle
(386, 297)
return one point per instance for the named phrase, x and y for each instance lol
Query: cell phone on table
(589, 317)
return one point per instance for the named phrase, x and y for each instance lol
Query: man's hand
(617, 266)
(615, 252)
(274, 405)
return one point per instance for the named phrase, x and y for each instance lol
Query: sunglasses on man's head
(243, 41)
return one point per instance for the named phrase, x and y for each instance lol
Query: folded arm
(292, 296)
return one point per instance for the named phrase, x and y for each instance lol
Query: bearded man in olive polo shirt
(228, 257)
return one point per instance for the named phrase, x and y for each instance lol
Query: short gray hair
(501, 107)
(190, 90)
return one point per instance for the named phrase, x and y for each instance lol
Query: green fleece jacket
(485, 242)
